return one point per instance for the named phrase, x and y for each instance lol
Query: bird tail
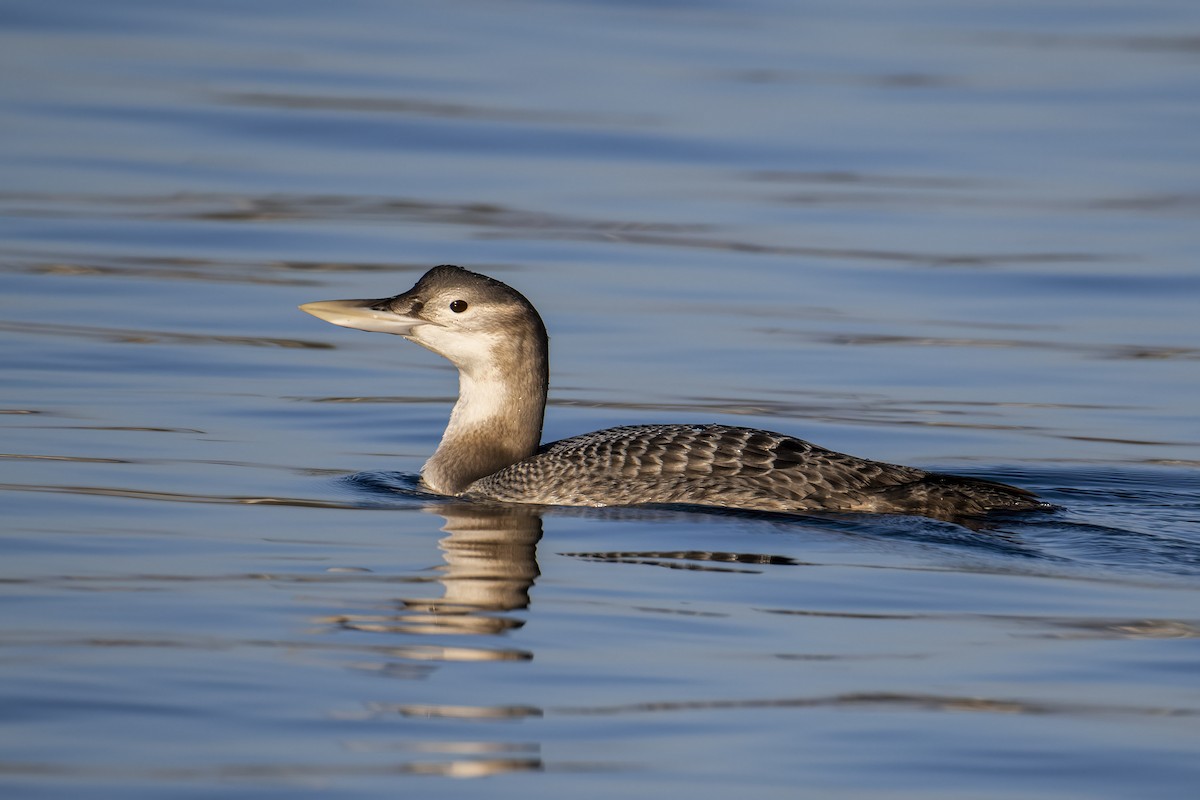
(952, 497)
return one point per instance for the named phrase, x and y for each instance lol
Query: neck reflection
(491, 560)
(490, 565)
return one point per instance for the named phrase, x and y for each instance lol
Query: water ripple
(428, 108)
(142, 336)
(884, 700)
(493, 220)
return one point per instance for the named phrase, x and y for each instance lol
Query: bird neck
(496, 422)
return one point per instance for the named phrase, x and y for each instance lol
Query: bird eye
(458, 306)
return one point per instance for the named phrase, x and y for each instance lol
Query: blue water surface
(956, 236)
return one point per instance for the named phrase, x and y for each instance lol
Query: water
(932, 233)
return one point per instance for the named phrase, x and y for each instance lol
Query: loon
(492, 449)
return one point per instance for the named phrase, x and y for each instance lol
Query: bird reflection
(490, 565)
(489, 568)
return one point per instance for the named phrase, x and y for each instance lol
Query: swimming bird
(492, 444)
